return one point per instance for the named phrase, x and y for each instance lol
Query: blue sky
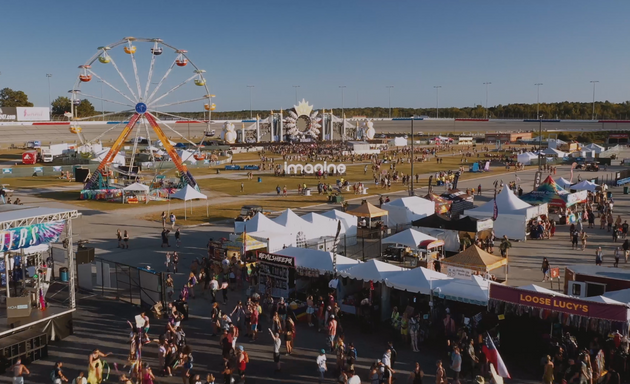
(364, 45)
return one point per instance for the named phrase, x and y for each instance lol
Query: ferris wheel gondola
(139, 103)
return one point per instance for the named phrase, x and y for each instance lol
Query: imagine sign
(314, 168)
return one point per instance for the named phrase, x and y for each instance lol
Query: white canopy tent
(407, 209)
(290, 219)
(536, 288)
(621, 295)
(316, 259)
(409, 237)
(513, 214)
(603, 300)
(398, 142)
(554, 152)
(564, 183)
(584, 185)
(321, 226)
(526, 158)
(594, 147)
(474, 291)
(417, 280)
(275, 240)
(259, 222)
(188, 193)
(373, 270)
(348, 224)
(136, 187)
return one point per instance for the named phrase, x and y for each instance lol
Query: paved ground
(101, 323)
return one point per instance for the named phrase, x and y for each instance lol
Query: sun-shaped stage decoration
(303, 115)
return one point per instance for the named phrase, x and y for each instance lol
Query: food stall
(370, 219)
(442, 205)
(420, 249)
(559, 200)
(135, 193)
(474, 261)
(453, 232)
(460, 200)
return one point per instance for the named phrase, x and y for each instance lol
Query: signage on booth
(459, 273)
(35, 234)
(310, 169)
(286, 261)
(554, 303)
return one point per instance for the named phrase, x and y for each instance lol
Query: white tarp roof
(507, 202)
(260, 222)
(407, 209)
(100, 155)
(321, 225)
(417, 280)
(289, 219)
(186, 155)
(594, 147)
(188, 193)
(137, 187)
(536, 288)
(553, 152)
(622, 296)
(347, 219)
(316, 259)
(373, 270)
(473, 291)
(584, 185)
(398, 142)
(564, 183)
(603, 300)
(409, 237)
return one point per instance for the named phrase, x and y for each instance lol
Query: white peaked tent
(564, 183)
(553, 152)
(407, 209)
(584, 185)
(417, 280)
(536, 288)
(594, 147)
(409, 237)
(316, 259)
(603, 300)
(322, 226)
(292, 221)
(348, 224)
(526, 158)
(260, 223)
(189, 193)
(513, 214)
(136, 187)
(473, 291)
(373, 270)
(621, 295)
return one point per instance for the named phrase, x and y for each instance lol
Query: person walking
(173, 219)
(119, 237)
(584, 237)
(456, 363)
(19, 370)
(545, 269)
(277, 342)
(415, 377)
(170, 286)
(414, 326)
(575, 235)
(440, 373)
(321, 365)
(479, 190)
(163, 220)
(243, 360)
(164, 235)
(599, 256)
(126, 239)
(332, 332)
(175, 261)
(617, 257)
(626, 249)
(505, 246)
(57, 375)
(178, 240)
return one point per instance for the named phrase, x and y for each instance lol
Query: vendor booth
(473, 291)
(442, 205)
(364, 281)
(584, 185)
(370, 219)
(417, 280)
(474, 261)
(259, 222)
(557, 199)
(135, 193)
(419, 249)
(526, 158)
(243, 247)
(189, 193)
(348, 225)
(455, 232)
(512, 214)
(460, 200)
(563, 183)
(403, 211)
(322, 231)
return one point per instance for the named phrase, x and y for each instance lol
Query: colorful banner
(568, 305)
(22, 237)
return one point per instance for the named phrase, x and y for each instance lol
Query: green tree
(85, 109)
(60, 106)
(11, 98)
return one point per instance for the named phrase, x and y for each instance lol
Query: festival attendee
(163, 220)
(545, 269)
(415, 377)
(321, 365)
(617, 257)
(165, 243)
(80, 379)
(456, 363)
(57, 375)
(289, 334)
(178, 240)
(95, 367)
(173, 219)
(332, 332)
(599, 256)
(414, 327)
(175, 261)
(243, 359)
(277, 342)
(547, 377)
(126, 239)
(440, 373)
(19, 370)
(119, 238)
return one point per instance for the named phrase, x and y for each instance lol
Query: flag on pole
(493, 356)
(495, 212)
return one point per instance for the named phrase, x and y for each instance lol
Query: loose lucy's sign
(558, 303)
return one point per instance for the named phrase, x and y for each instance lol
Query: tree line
(604, 110)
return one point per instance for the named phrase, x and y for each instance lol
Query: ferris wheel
(137, 95)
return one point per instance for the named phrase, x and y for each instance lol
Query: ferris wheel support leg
(113, 151)
(181, 167)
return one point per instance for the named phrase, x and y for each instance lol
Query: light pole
(48, 76)
(102, 105)
(487, 83)
(437, 100)
(389, 91)
(538, 98)
(251, 87)
(540, 155)
(411, 191)
(296, 90)
(594, 82)
(342, 87)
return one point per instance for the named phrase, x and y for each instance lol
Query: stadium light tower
(538, 98)
(487, 83)
(389, 93)
(437, 100)
(594, 82)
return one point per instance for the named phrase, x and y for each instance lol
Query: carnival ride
(141, 105)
